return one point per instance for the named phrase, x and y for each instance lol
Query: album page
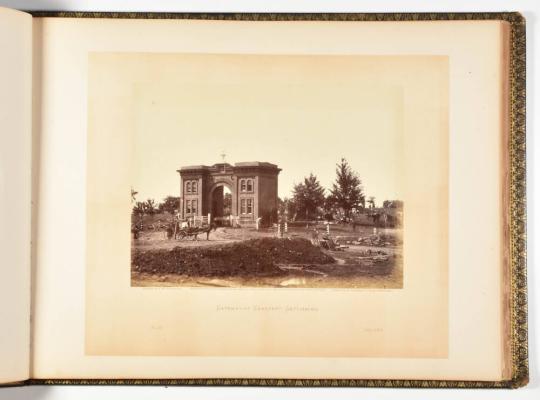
(270, 199)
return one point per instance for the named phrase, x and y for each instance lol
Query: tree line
(308, 201)
(150, 207)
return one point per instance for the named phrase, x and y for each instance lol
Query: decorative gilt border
(517, 212)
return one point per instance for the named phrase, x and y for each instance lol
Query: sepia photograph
(273, 179)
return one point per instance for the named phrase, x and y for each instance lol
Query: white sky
(302, 113)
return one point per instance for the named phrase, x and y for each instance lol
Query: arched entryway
(221, 204)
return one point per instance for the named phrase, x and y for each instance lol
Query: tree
(149, 206)
(139, 208)
(227, 204)
(169, 204)
(393, 204)
(134, 194)
(287, 206)
(308, 196)
(347, 192)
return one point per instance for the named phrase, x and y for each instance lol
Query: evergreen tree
(346, 192)
(308, 196)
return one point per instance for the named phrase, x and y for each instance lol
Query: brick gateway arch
(253, 187)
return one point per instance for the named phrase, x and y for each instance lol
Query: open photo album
(263, 199)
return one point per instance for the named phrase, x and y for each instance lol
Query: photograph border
(516, 213)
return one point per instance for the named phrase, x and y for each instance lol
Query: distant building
(253, 187)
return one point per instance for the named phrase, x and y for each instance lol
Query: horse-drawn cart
(180, 231)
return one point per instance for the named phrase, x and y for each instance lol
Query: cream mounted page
(370, 94)
(284, 199)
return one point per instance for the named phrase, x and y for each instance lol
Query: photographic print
(267, 187)
(275, 177)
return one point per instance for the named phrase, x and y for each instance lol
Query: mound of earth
(258, 257)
